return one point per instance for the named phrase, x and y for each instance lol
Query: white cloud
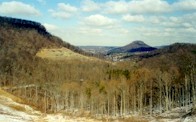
(137, 6)
(99, 20)
(174, 19)
(50, 27)
(190, 30)
(60, 14)
(149, 6)
(18, 8)
(185, 5)
(154, 20)
(87, 30)
(165, 22)
(63, 11)
(55, 30)
(89, 6)
(66, 7)
(184, 21)
(116, 7)
(133, 18)
(124, 31)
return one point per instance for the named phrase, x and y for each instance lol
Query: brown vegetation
(150, 86)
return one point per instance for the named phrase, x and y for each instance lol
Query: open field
(61, 54)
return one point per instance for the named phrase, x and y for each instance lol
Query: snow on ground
(178, 114)
(12, 110)
(63, 118)
(190, 119)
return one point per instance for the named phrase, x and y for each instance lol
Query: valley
(43, 78)
(128, 52)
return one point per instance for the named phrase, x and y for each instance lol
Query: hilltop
(26, 45)
(135, 46)
(29, 36)
(23, 24)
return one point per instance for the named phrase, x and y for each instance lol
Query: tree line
(106, 89)
(148, 86)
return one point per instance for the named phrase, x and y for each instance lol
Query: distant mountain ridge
(175, 50)
(176, 47)
(135, 46)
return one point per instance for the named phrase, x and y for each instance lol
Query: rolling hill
(176, 48)
(26, 46)
(17, 36)
(135, 46)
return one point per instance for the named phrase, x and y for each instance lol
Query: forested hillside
(150, 86)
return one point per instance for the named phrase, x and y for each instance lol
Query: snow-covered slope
(13, 109)
(179, 114)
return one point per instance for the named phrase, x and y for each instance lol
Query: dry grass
(59, 54)
(17, 107)
(14, 98)
(15, 103)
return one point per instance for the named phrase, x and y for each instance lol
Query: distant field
(61, 54)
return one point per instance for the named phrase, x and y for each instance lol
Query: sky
(110, 22)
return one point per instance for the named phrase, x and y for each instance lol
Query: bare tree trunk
(183, 96)
(30, 93)
(25, 92)
(186, 95)
(134, 99)
(121, 103)
(108, 107)
(67, 100)
(166, 97)
(160, 96)
(72, 101)
(92, 106)
(81, 101)
(141, 98)
(151, 98)
(193, 88)
(124, 101)
(169, 97)
(45, 106)
(36, 94)
(115, 104)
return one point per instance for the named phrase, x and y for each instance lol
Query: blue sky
(110, 22)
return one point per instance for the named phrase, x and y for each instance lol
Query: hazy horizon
(110, 23)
